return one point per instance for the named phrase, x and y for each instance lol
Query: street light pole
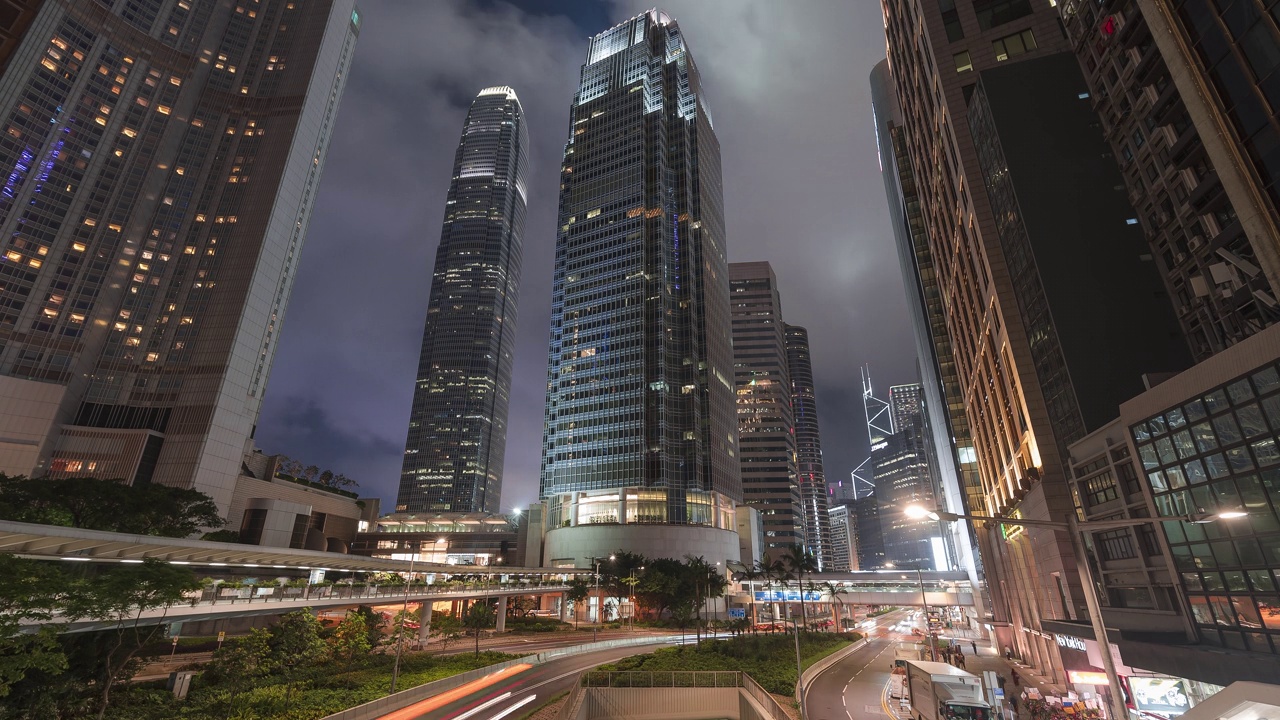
(928, 631)
(404, 610)
(595, 632)
(1073, 528)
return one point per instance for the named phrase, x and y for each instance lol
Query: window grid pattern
(1218, 452)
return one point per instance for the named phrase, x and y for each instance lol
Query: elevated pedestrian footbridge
(249, 580)
(873, 587)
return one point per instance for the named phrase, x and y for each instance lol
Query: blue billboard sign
(737, 613)
(787, 596)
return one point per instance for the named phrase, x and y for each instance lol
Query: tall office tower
(161, 164)
(766, 424)
(959, 489)
(905, 478)
(458, 426)
(640, 448)
(810, 475)
(906, 402)
(1034, 286)
(844, 536)
(869, 546)
(1189, 101)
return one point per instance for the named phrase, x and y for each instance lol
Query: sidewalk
(989, 659)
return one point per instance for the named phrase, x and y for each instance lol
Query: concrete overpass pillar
(424, 622)
(564, 607)
(501, 625)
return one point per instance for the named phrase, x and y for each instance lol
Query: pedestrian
(960, 661)
(974, 645)
(1013, 702)
(1008, 653)
(1016, 680)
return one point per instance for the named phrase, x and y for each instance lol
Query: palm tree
(800, 561)
(752, 574)
(834, 592)
(777, 572)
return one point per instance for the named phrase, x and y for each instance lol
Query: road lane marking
(519, 705)
(485, 706)
(438, 701)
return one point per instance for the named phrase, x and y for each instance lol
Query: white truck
(903, 652)
(939, 691)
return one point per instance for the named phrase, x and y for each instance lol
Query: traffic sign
(737, 613)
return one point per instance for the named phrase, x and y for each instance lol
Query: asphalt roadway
(856, 687)
(514, 692)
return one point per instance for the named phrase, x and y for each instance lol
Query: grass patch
(327, 690)
(769, 659)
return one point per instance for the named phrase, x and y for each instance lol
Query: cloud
(789, 94)
(365, 458)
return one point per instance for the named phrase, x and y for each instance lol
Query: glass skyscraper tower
(640, 447)
(160, 162)
(458, 425)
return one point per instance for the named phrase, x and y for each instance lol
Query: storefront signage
(1071, 643)
(1087, 677)
(1164, 696)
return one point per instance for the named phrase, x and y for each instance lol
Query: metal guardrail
(252, 594)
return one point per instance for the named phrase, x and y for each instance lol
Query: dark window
(1116, 544)
(951, 19)
(992, 13)
(251, 526)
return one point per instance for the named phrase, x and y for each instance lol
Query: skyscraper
(810, 475)
(640, 448)
(458, 426)
(161, 164)
(766, 423)
(1032, 284)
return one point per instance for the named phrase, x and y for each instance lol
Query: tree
(800, 562)
(241, 662)
(445, 626)
(326, 478)
(374, 621)
(310, 473)
(479, 617)
(122, 594)
(578, 591)
(226, 536)
(31, 591)
(351, 638)
(112, 505)
(295, 646)
(752, 574)
(343, 482)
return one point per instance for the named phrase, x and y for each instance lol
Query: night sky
(787, 87)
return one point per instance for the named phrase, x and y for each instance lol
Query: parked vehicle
(939, 691)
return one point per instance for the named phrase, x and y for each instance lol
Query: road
(854, 688)
(511, 694)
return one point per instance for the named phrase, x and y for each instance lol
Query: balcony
(1167, 101)
(1132, 31)
(1187, 148)
(1208, 195)
(1145, 72)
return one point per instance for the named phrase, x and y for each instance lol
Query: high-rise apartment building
(161, 162)
(640, 450)
(1188, 98)
(1034, 286)
(810, 475)
(458, 425)
(767, 435)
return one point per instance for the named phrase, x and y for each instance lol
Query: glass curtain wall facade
(453, 456)
(766, 424)
(640, 405)
(161, 162)
(810, 475)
